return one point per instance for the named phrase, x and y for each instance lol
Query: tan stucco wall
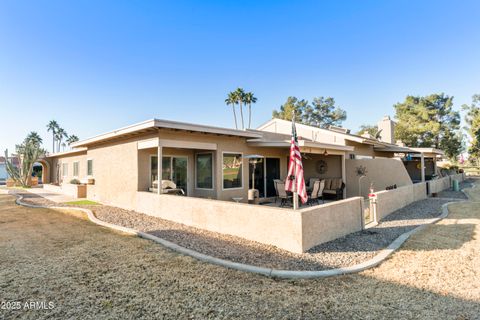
(82, 170)
(115, 170)
(444, 183)
(295, 231)
(388, 201)
(331, 221)
(279, 227)
(381, 172)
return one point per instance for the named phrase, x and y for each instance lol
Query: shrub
(75, 181)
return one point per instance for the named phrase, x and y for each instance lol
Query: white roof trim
(301, 143)
(66, 153)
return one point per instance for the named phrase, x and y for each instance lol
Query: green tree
(28, 153)
(472, 118)
(323, 113)
(286, 110)
(371, 130)
(249, 99)
(429, 121)
(232, 101)
(53, 126)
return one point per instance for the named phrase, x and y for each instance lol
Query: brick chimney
(387, 126)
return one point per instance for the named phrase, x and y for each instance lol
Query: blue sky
(98, 65)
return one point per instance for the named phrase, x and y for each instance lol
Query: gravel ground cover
(89, 272)
(449, 193)
(347, 251)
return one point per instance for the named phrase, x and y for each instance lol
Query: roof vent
(338, 129)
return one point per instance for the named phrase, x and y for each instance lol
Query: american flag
(295, 180)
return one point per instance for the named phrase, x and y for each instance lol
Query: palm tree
(64, 145)
(61, 133)
(71, 139)
(53, 126)
(249, 98)
(34, 138)
(231, 100)
(240, 98)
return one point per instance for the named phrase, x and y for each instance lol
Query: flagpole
(295, 193)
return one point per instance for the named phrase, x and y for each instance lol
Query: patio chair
(311, 183)
(317, 192)
(275, 181)
(282, 194)
(168, 187)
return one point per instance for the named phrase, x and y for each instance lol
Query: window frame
(213, 171)
(64, 172)
(88, 174)
(78, 169)
(223, 177)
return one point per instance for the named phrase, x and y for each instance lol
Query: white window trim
(63, 169)
(243, 172)
(90, 175)
(213, 172)
(78, 173)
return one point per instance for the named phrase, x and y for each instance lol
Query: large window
(65, 169)
(232, 170)
(90, 167)
(173, 168)
(76, 165)
(204, 171)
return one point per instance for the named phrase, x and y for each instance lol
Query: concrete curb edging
(269, 272)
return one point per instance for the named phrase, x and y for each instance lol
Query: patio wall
(444, 183)
(295, 231)
(380, 172)
(72, 190)
(331, 221)
(388, 201)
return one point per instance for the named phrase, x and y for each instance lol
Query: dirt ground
(89, 272)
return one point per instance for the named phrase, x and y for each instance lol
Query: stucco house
(206, 162)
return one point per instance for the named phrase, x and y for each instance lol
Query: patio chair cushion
(336, 183)
(328, 183)
(330, 191)
(312, 182)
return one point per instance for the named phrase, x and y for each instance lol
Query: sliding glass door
(173, 168)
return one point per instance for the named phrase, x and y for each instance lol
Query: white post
(159, 168)
(295, 200)
(422, 166)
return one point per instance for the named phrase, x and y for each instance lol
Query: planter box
(73, 190)
(10, 183)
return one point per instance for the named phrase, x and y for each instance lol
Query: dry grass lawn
(90, 272)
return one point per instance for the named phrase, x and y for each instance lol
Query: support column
(159, 168)
(344, 176)
(422, 166)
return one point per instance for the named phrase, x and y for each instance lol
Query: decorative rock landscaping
(343, 252)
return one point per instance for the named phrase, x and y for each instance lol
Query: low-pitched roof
(153, 124)
(67, 153)
(271, 139)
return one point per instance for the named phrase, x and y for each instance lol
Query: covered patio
(206, 170)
